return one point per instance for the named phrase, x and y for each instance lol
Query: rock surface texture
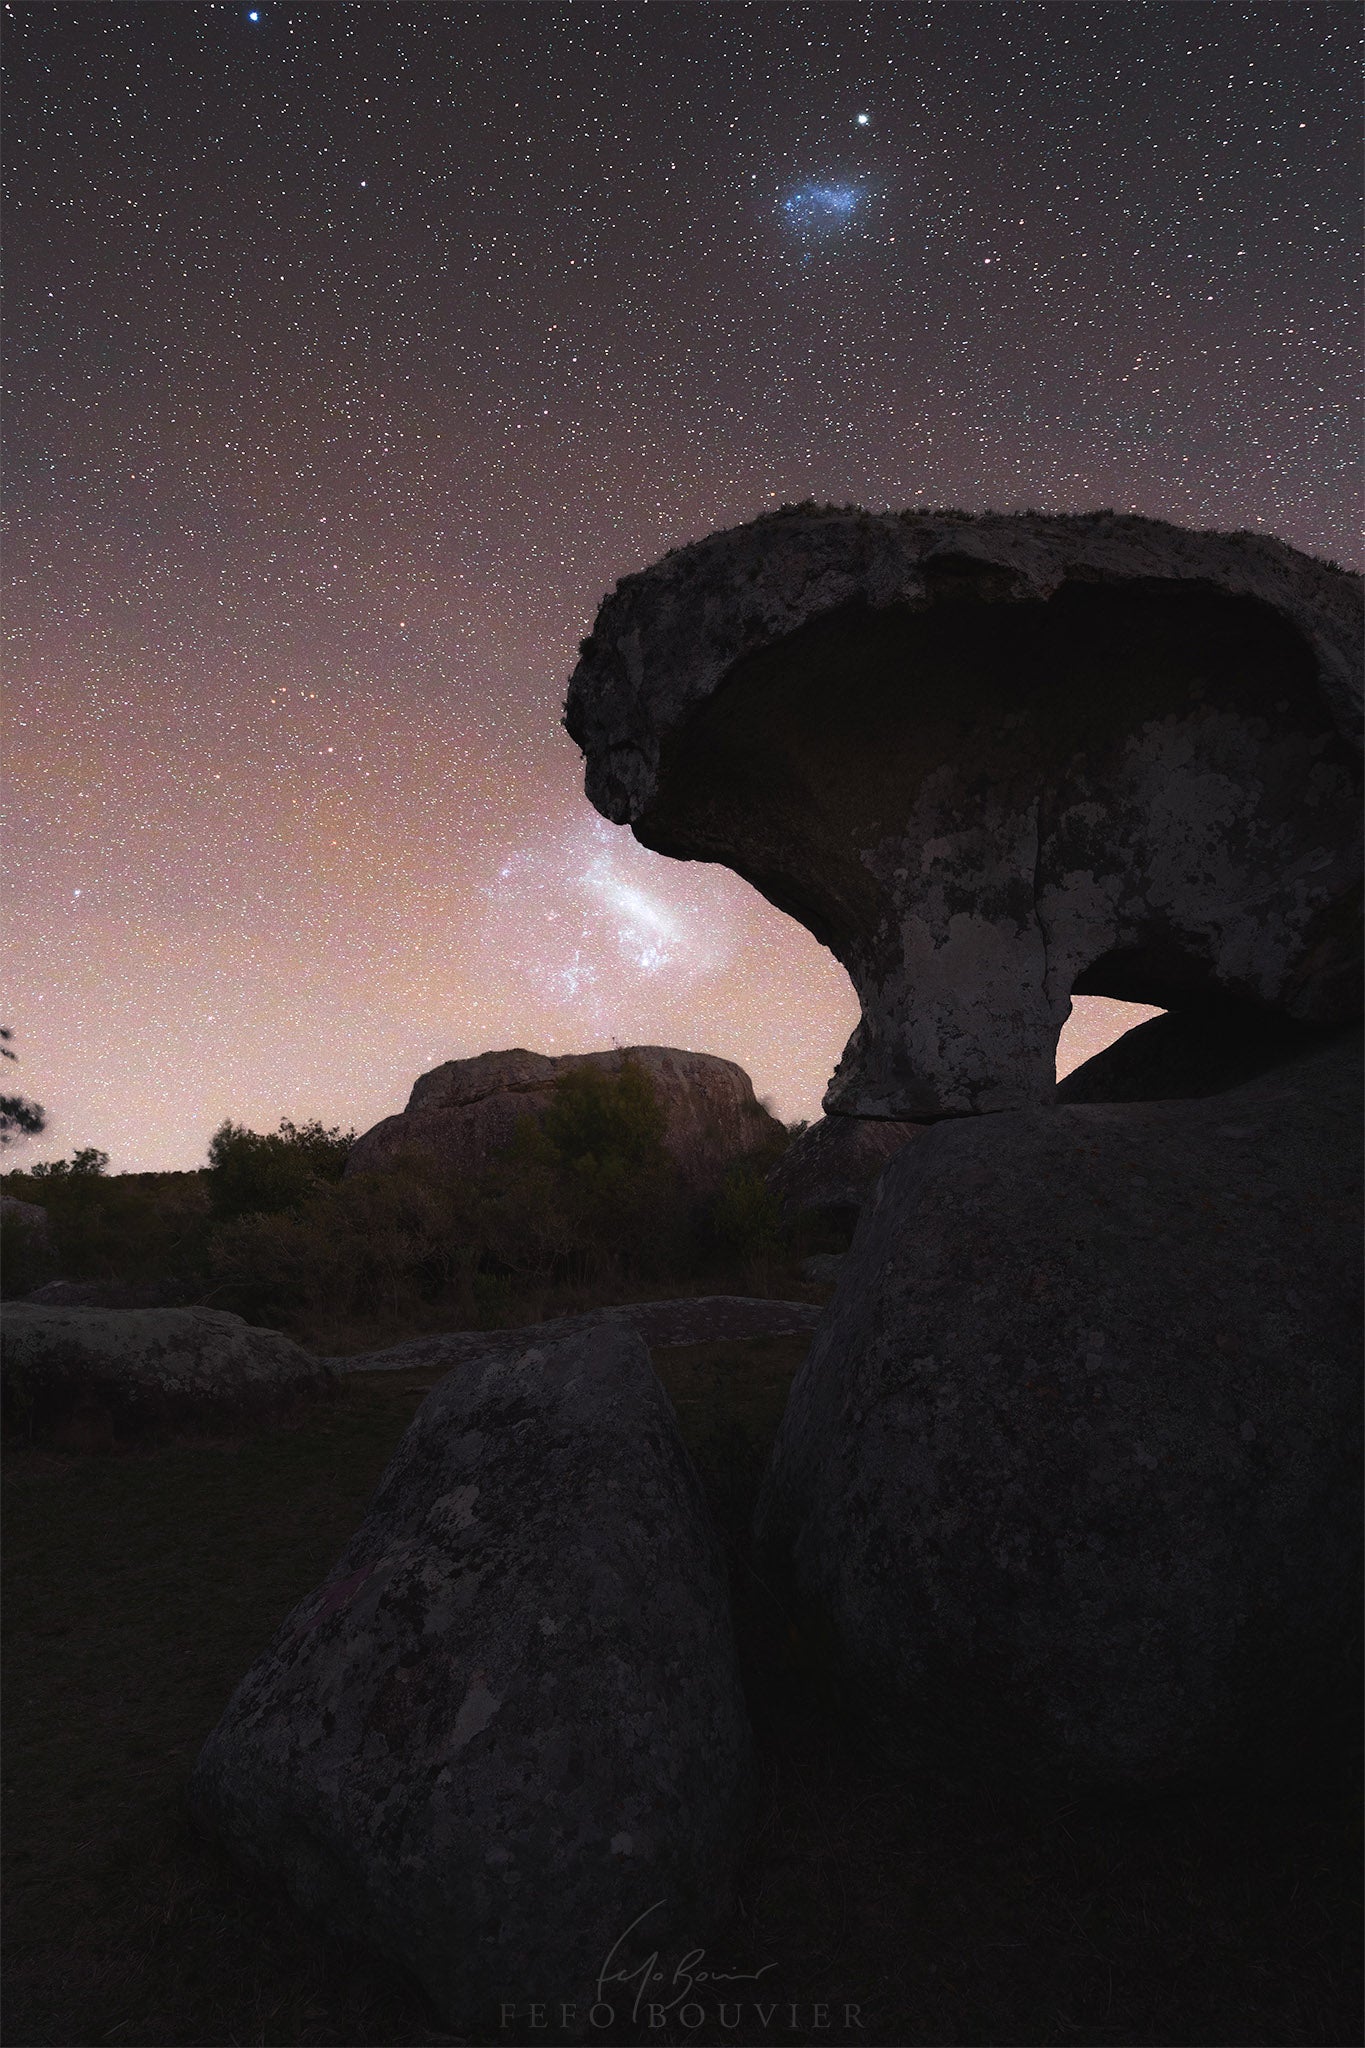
(463, 1113)
(832, 1168)
(1075, 1455)
(510, 1720)
(111, 1374)
(989, 761)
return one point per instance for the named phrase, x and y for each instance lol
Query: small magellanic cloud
(817, 210)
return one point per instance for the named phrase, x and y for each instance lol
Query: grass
(142, 1585)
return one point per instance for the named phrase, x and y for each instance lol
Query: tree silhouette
(17, 1113)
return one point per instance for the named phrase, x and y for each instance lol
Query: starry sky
(356, 350)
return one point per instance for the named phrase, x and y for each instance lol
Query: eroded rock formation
(992, 761)
(510, 1721)
(463, 1113)
(1073, 1463)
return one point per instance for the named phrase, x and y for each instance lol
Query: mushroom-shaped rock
(1073, 1462)
(992, 761)
(508, 1728)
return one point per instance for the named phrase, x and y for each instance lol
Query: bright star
(863, 120)
(254, 15)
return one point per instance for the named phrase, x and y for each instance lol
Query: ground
(141, 1586)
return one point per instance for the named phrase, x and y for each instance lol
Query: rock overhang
(989, 761)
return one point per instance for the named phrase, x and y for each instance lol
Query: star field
(356, 350)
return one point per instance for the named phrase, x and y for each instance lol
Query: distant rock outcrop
(28, 1254)
(106, 1375)
(1074, 1460)
(990, 761)
(30, 1216)
(831, 1169)
(508, 1728)
(462, 1114)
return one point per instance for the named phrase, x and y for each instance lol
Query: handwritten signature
(687, 1973)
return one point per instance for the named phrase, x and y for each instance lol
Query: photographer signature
(687, 1973)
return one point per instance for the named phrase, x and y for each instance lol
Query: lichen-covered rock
(462, 1114)
(833, 1167)
(113, 1374)
(992, 761)
(510, 1721)
(1074, 1460)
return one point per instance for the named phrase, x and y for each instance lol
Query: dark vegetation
(18, 1116)
(143, 1585)
(583, 1208)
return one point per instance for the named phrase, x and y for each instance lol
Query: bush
(588, 1193)
(86, 1164)
(613, 1120)
(127, 1227)
(260, 1174)
(746, 1216)
(378, 1247)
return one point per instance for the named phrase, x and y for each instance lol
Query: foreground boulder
(101, 1376)
(1074, 1460)
(462, 1114)
(830, 1170)
(510, 1720)
(992, 761)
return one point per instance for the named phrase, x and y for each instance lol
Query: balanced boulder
(462, 1114)
(1074, 1459)
(992, 761)
(509, 1722)
(107, 1374)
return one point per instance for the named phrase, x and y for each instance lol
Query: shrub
(746, 1215)
(380, 1248)
(614, 1120)
(589, 1192)
(254, 1173)
(83, 1165)
(133, 1227)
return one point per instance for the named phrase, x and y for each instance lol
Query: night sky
(355, 351)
